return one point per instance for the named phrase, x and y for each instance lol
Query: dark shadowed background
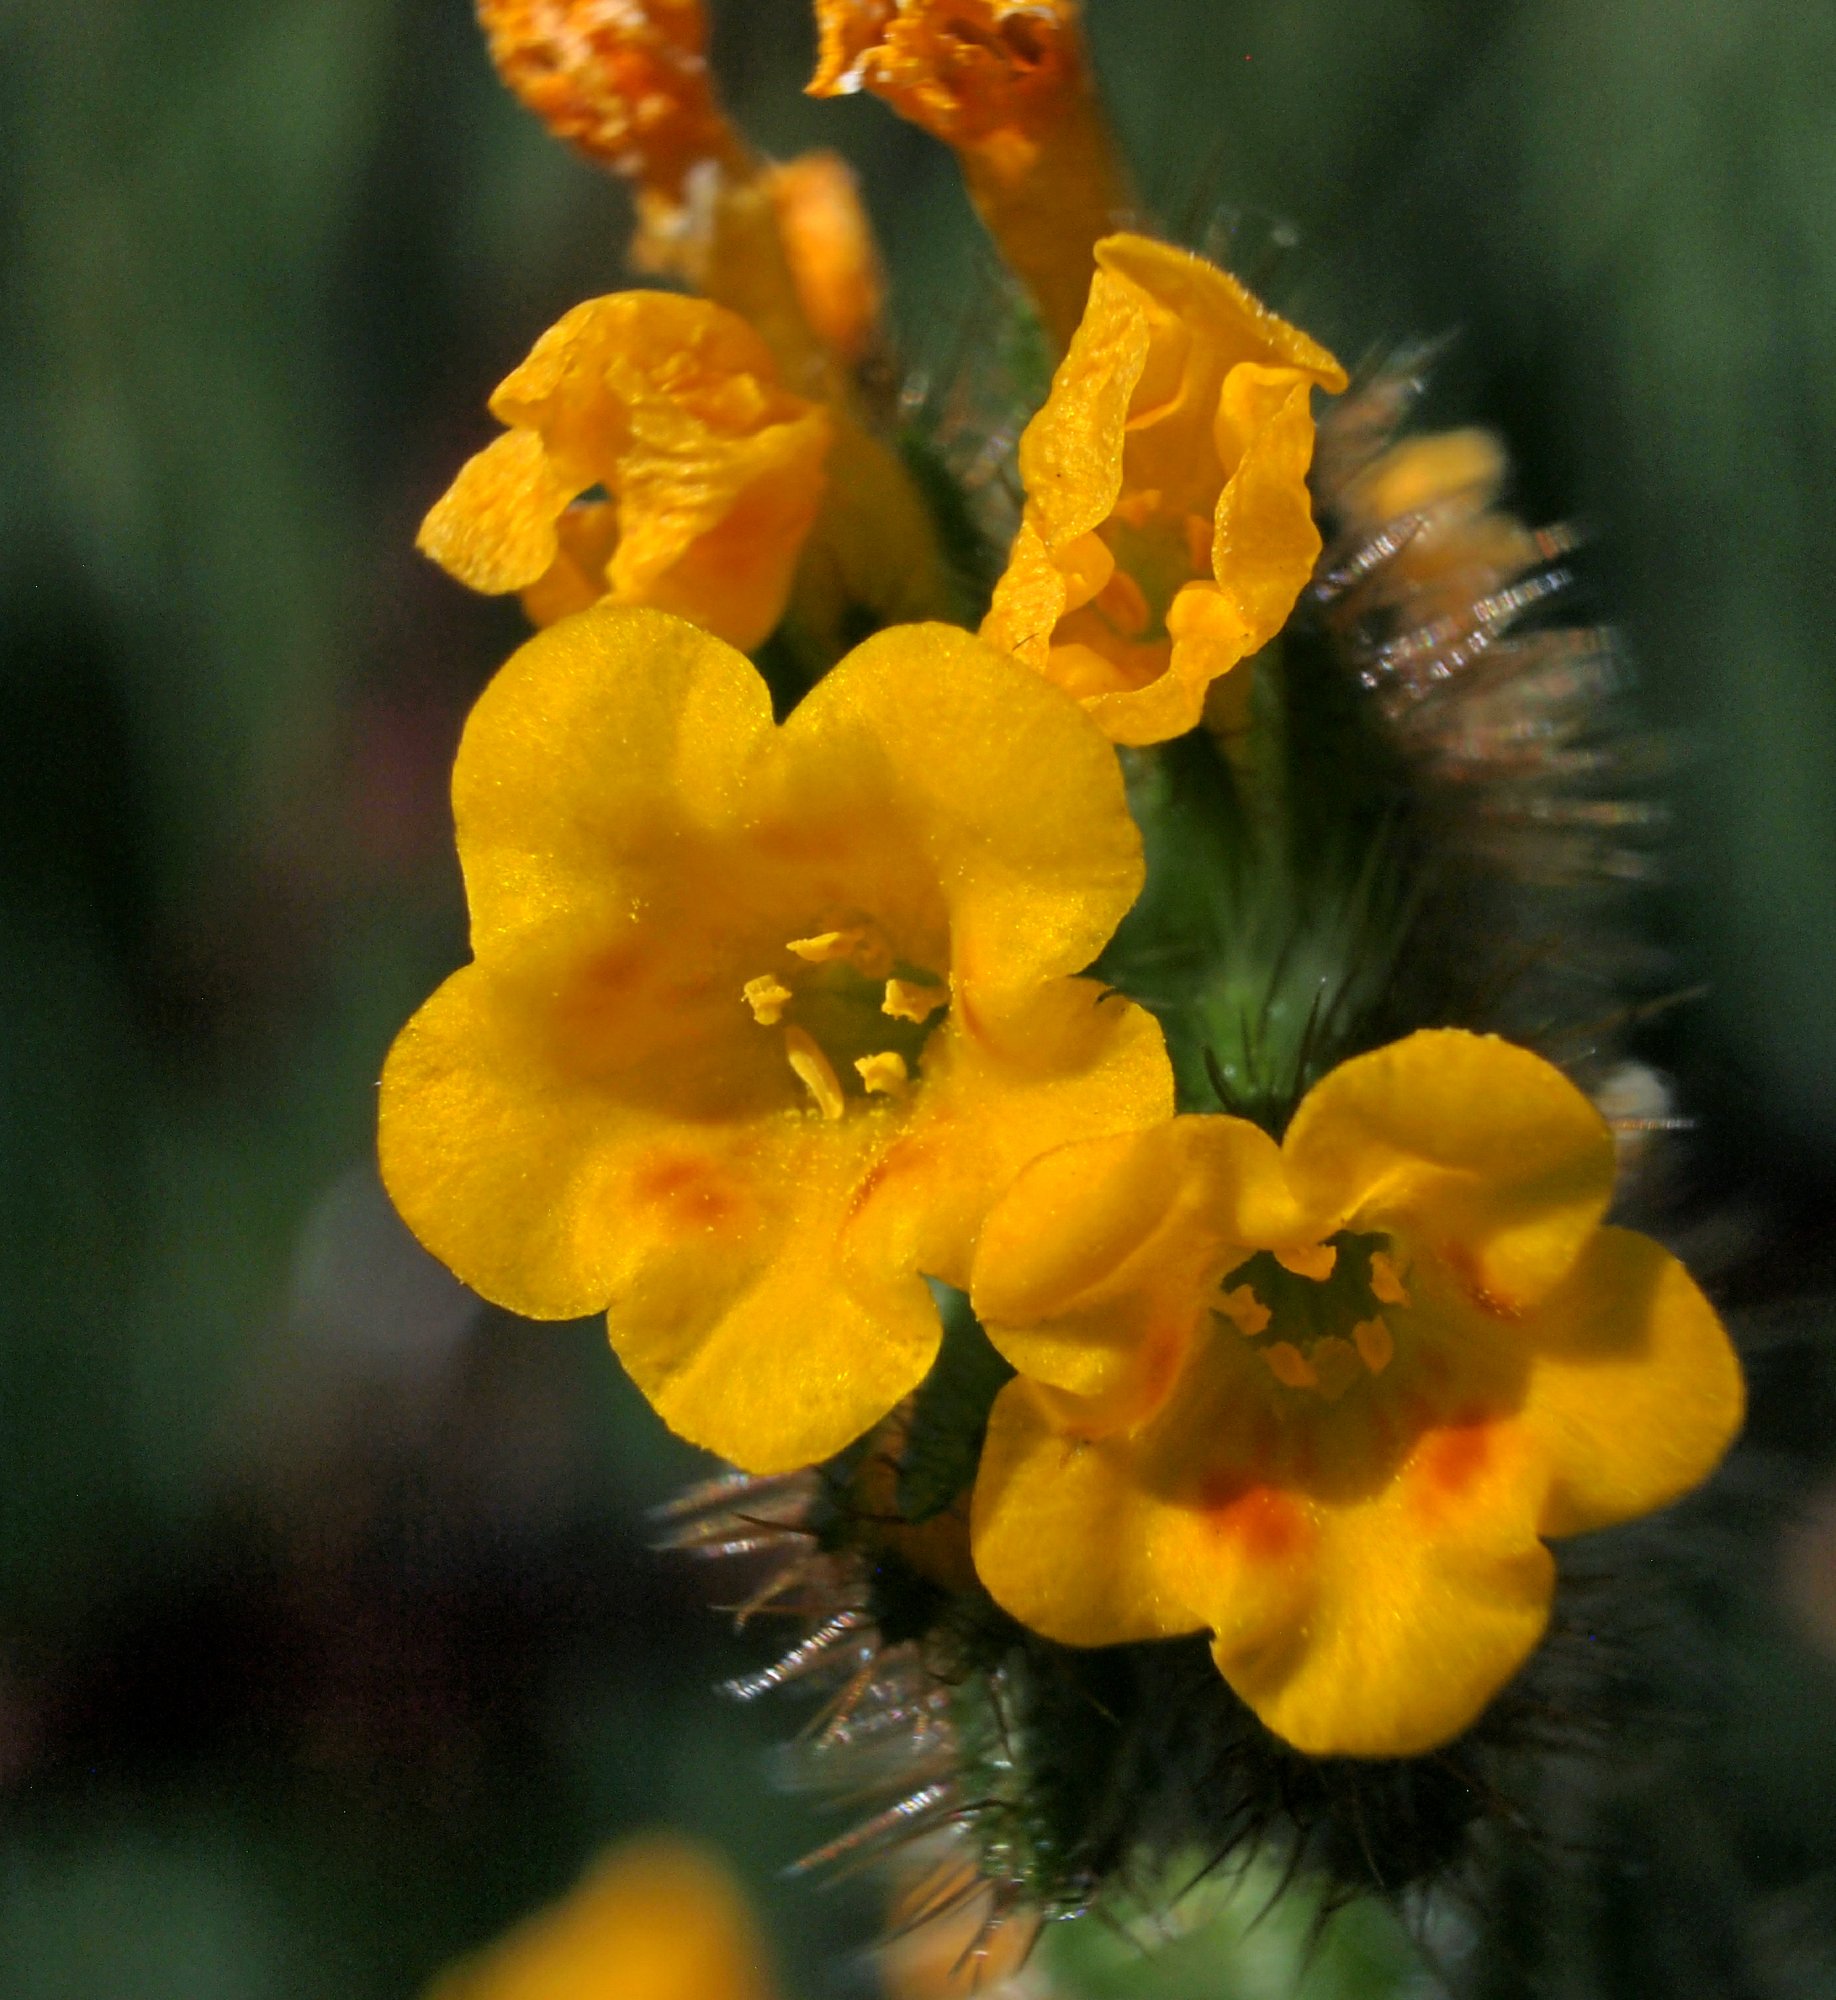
(328, 1638)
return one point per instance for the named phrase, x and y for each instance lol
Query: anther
(815, 1072)
(825, 945)
(1289, 1365)
(1335, 1363)
(1386, 1282)
(1245, 1311)
(1309, 1260)
(907, 1001)
(860, 945)
(884, 1073)
(767, 996)
(1375, 1343)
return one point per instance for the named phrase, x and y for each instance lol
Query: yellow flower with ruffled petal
(761, 1018)
(1167, 529)
(655, 1919)
(1327, 1399)
(713, 471)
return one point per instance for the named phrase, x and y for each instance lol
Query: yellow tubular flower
(1007, 84)
(1328, 1398)
(656, 1090)
(673, 406)
(1167, 528)
(655, 1919)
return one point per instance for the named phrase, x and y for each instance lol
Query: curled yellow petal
(1167, 529)
(673, 406)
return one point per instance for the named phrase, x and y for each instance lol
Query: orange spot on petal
(692, 1191)
(1452, 1460)
(1268, 1525)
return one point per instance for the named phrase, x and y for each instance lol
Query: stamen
(1335, 1362)
(884, 1073)
(822, 947)
(1245, 1311)
(815, 1072)
(860, 945)
(1309, 1260)
(1375, 1342)
(1289, 1365)
(767, 996)
(907, 1001)
(1387, 1286)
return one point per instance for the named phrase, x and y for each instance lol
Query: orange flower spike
(654, 1919)
(1007, 84)
(714, 471)
(1352, 1487)
(625, 82)
(1168, 527)
(670, 1087)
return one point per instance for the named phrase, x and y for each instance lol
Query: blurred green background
(328, 1641)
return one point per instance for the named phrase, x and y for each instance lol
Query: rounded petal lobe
(1007, 791)
(735, 1323)
(494, 527)
(1635, 1391)
(1483, 1152)
(502, 1165)
(1428, 1596)
(597, 742)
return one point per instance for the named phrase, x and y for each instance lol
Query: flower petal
(501, 1162)
(715, 470)
(1480, 1151)
(598, 744)
(741, 1331)
(1074, 1061)
(1429, 1594)
(1096, 1265)
(1011, 797)
(1264, 542)
(1096, 1538)
(494, 527)
(1635, 1390)
(667, 1916)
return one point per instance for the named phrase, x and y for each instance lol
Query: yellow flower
(1167, 529)
(1327, 1398)
(714, 471)
(655, 1919)
(761, 1018)
(1005, 83)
